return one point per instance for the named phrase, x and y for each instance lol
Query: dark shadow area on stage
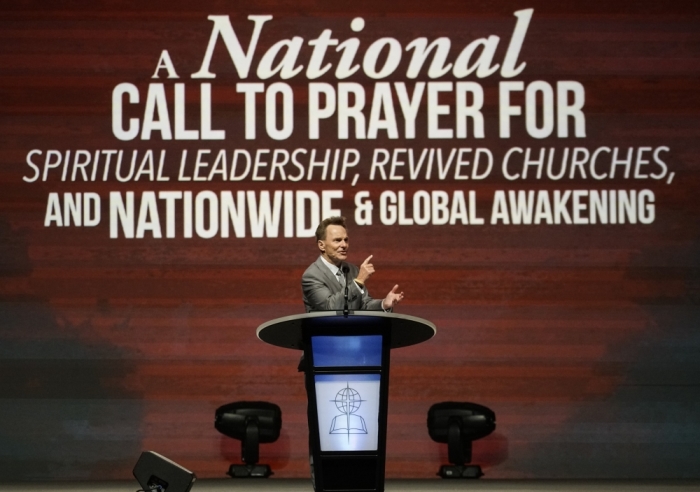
(63, 412)
(649, 426)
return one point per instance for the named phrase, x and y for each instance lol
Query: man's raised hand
(392, 298)
(366, 270)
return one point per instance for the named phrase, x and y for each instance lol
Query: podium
(347, 383)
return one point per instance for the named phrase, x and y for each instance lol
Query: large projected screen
(526, 172)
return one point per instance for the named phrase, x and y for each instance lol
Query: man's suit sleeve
(370, 304)
(317, 295)
(367, 303)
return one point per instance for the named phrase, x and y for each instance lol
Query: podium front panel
(347, 383)
(346, 365)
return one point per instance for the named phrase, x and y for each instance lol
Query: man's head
(332, 239)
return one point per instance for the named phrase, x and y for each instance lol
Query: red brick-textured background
(583, 339)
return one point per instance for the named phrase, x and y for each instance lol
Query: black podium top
(286, 332)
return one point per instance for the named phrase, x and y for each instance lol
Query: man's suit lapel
(331, 280)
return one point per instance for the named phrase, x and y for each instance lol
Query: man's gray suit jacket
(322, 291)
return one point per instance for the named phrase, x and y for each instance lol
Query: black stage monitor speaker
(459, 424)
(157, 473)
(252, 423)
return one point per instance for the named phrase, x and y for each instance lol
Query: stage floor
(436, 485)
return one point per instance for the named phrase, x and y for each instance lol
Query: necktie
(339, 274)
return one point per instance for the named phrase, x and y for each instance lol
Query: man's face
(334, 247)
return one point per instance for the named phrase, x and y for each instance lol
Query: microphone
(346, 309)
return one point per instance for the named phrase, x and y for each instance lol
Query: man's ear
(321, 246)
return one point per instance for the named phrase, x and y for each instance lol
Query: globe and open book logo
(348, 411)
(348, 402)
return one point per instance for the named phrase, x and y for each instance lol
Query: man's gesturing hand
(392, 298)
(366, 270)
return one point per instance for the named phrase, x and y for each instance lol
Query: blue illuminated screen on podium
(344, 351)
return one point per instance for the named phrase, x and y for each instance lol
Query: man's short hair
(321, 229)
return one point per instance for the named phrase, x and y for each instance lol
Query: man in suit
(323, 283)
